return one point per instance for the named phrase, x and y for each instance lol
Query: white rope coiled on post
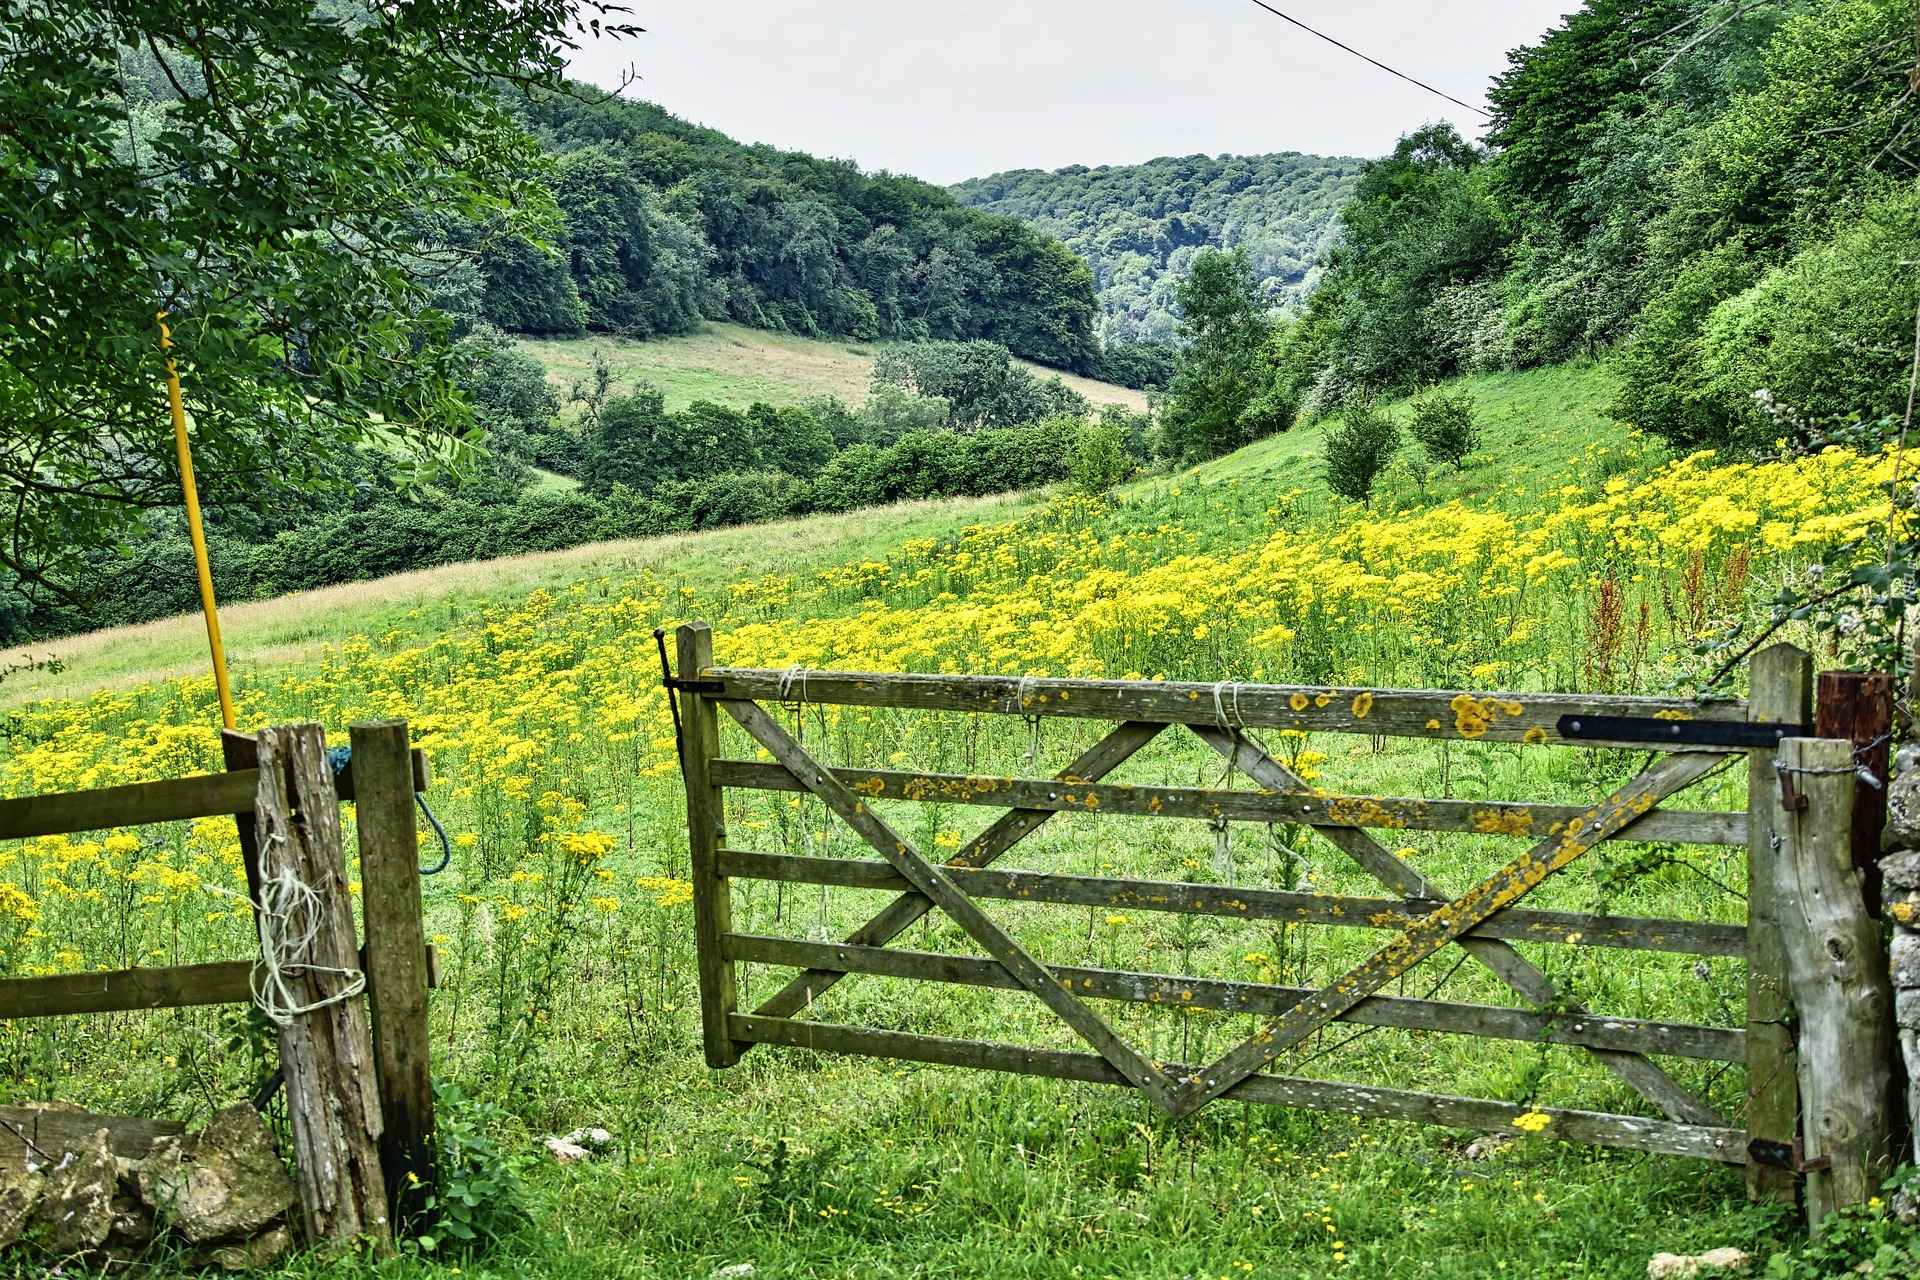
(289, 919)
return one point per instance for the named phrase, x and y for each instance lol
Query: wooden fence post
(326, 1053)
(706, 836)
(242, 751)
(1838, 970)
(1781, 682)
(1858, 706)
(396, 963)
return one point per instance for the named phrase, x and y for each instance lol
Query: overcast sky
(957, 90)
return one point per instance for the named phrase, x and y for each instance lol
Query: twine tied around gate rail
(1022, 694)
(795, 674)
(289, 919)
(1220, 706)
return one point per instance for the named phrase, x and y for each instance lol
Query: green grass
(734, 365)
(810, 1166)
(1534, 425)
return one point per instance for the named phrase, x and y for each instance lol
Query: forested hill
(1139, 225)
(667, 222)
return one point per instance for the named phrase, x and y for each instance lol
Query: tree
(1444, 425)
(980, 382)
(257, 170)
(1359, 449)
(1099, 460)
(633, 443)
(712, 439)
(1420, 222)
(1219, 400)
(789, 439)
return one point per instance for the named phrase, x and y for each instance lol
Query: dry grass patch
(733, 365)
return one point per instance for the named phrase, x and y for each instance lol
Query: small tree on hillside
(1099, 460)
(1359, 449)
(631, 443)
(1222, 377)
(1444, 425)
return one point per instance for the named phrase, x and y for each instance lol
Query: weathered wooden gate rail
(396, 960)
(1421, 916)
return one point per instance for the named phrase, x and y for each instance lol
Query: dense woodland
(1139, 226)
(1718, 196)
(667, 222)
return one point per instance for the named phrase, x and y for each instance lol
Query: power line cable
(1375, 61)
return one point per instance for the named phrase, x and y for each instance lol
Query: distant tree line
(642, 471)
(667, 223)
(1141, 226)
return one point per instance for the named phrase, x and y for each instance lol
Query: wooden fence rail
(1420, 918)
(379, 1076)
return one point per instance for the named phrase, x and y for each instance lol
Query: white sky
(953, 90)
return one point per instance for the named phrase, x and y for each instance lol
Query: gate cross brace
(931, 881)
(1096, 762)
(1632, 800)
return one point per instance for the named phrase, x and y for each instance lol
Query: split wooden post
(242, 751)
(396, 964)
(1838, 970)
(706, 836)
(333, 1102)
(1858, 706)
(1781, 679)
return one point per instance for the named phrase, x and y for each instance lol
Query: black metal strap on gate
(1710, 733)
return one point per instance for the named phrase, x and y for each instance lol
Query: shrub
(1444, 425)
(1663, 383)
(1359, 449)
(1829, 335)
(1099, 459)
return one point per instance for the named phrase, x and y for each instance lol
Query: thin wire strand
(1285, 17)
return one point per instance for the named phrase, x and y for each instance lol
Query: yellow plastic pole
(199, 532)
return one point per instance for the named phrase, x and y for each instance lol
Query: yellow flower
(1532, 1121)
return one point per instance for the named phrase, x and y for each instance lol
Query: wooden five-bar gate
(1484, 921)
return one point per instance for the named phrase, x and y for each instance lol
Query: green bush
(1866, 1240)
(1099, 460)
(1663, 387)
(1828, 336)
(1359, 449)
(1444, 425)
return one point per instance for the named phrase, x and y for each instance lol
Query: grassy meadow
(733, 365)
(1585, 559)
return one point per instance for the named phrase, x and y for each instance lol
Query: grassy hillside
(733, 365)
(563, 922)
(1139, 225)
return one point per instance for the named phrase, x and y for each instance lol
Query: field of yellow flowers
(563, 916)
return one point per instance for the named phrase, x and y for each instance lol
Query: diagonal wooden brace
(931, 881)
(1507, 964)
(1008, 830)
(1431, 932)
